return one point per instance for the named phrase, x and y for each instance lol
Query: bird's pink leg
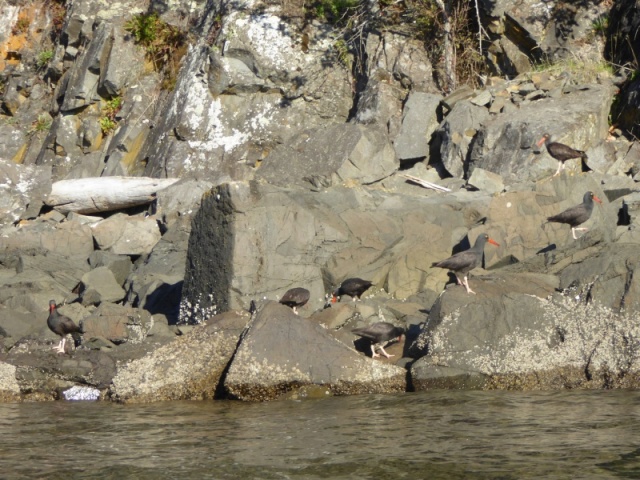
(575, 229)
(373, 352)
(295, 310)
(459, 281)
(466, 285)
(560, 167)
(60, 347)
(385, 353)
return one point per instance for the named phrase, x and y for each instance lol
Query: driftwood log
(103, 194)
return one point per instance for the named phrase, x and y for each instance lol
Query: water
(426, 435)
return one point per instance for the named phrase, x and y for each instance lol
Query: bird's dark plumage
(295, 297)
(354, 287)
(577, 215)
(61, 325)
(379, 334)
(464, 262)
(560, 151)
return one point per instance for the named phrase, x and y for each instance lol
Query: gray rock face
(21, 187)
(396, 66)
(486, 181)
(82, 87)
(419, 121)
(100, 285)
(225, 123)
(607, 278)
(486, 317)
(120, 265)
(126, 236)
(281, 352)
(17, 325)
(506, 144)
(252, 241)
(188, 368)
(118, 324)
(456, 133)
(262, 98)
(534, 30)
(538, 344)
(340, 154)
(66, 238)
(43, 375)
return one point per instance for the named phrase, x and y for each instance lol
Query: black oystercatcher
(464, 262)
(577, 215)
(295, 297)
(61, 325)
(560, 151)
(354, 287)
(380, 334)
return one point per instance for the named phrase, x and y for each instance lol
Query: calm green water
(427, 435)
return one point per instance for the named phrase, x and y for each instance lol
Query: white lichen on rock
(581, 336)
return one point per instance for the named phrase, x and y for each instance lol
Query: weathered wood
(425, 184)
(103, 194)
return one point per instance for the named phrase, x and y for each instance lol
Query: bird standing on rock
(61, 325)
(380, 334)
(464, 262)
(295, 297)
(577, 215)
(560, 151)
(354, 287)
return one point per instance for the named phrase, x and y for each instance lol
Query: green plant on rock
(42, 124)
(108, 121)
(581, 70)
(342, 51)
(337, 11)
(164, 44)
(600, 25)
(43, 58)
(21, 26)
(107, 125)
(144, 28)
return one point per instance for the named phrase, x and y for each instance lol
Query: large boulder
(419, 121)
(525, 342)
(43, 374)
(100, 285)
(188, 368)
(118, 324)
(456, 134)
(126, 235)
(269, 363)
(252, 240)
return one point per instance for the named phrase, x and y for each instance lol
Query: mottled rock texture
(290, 136)
(281, 351)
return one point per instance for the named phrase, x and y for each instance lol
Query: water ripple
(435, 435)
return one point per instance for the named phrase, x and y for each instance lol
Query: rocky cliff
(294, 143)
